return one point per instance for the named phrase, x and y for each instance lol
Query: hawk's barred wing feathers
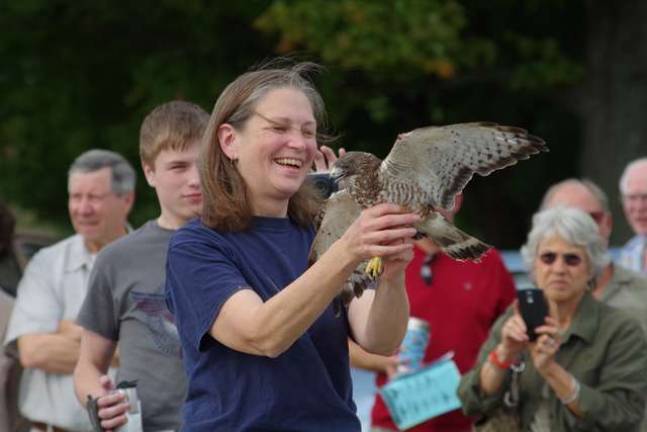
(442, 160)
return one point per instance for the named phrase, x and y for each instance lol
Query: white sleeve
(38, 308)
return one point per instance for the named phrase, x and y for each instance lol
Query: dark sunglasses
(570, 259)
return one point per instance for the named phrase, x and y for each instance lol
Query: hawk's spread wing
(341, 210)
(442, 160)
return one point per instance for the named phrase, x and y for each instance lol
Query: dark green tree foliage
(80, 75)
(402, 64)
(77, 75)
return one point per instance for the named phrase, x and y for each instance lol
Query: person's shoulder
(630, 277)
(61, 244)
(617, 320)
(493, 255)
(631, 244)
(491, 259)
(125, 242)
(57, 249)
(141, 243)
(195, 231)
(618, 332)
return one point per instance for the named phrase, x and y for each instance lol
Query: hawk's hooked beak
(336, 174)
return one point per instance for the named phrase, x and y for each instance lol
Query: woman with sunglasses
(587, 369)
(263, 345)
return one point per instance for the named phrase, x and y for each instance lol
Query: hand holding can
(414, 345)
(134, 413)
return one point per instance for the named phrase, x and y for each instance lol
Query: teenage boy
(125, 304)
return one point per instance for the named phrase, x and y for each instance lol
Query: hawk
(424, 171)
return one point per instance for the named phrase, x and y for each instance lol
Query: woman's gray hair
(123, 175)
(573, 226)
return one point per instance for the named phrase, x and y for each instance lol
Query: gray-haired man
(101, 187)
(633, 187)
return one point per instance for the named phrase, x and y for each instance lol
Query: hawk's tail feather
(355, 285)
(453, 242)
(470, 251)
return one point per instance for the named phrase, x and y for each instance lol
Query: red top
(461, 304)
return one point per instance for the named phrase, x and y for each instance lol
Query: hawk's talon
(374, 268)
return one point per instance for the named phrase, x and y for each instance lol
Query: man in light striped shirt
(633, 188)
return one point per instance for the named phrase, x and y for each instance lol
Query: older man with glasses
(633, 187)
(616, 285)
(101, 187)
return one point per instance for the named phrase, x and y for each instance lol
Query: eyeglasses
(308, 129)
(570, 259)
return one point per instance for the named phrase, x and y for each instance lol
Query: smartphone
(325, 184)
(533, 308)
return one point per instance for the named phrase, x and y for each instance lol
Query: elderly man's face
(634, 199)
(97, 213)
(577, 196)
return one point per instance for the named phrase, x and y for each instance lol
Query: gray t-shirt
(126, 303)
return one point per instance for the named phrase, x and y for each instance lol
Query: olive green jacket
(604, 349)
(627, 290)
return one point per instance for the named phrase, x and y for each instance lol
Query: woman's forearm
(492, 375)
(86, 381)
(248, 324)
(564, 385)
(361, 359)
(491, 379)
(386, 317)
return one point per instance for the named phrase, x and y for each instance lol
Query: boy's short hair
(173, 125)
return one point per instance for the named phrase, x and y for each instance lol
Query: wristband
(496, 361)
(574, 394)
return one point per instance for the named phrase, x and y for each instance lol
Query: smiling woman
(254, 319)
(585, 370)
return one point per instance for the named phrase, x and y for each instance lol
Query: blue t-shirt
(307, 388)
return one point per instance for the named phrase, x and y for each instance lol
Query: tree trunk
(615, 100)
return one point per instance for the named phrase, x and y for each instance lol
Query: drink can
(134, 413)
(414, 345)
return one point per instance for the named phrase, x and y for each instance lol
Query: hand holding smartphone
(533, 308)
